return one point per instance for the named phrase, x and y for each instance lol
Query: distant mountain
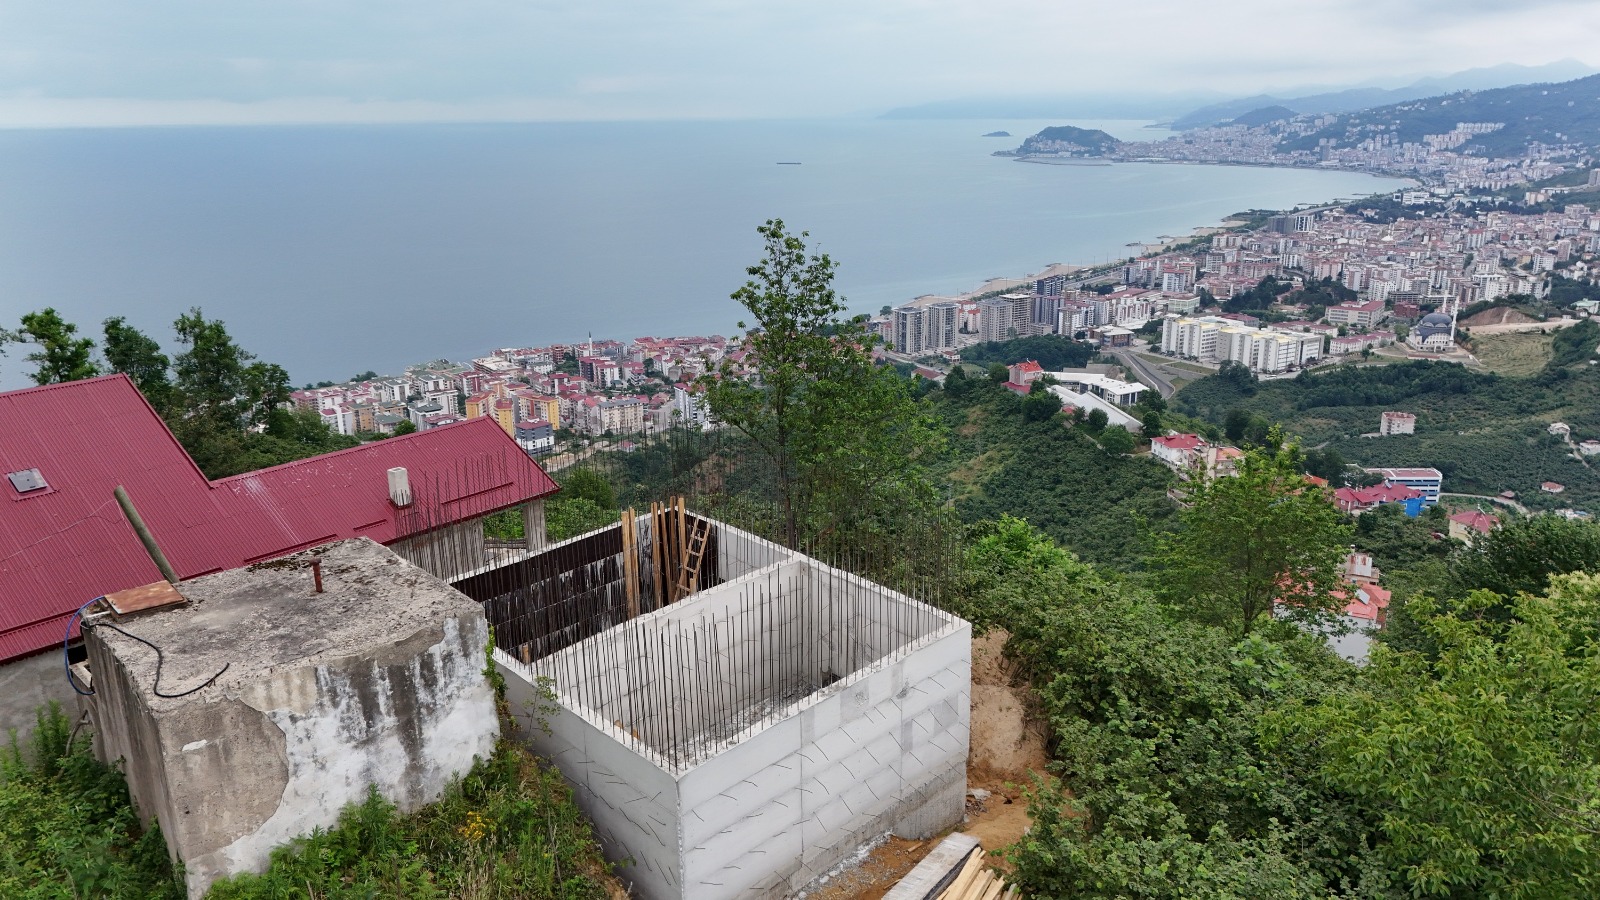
(1059, 106)
(1264, 115)
(1065, 140)
(1358, 98)
(1567, 112)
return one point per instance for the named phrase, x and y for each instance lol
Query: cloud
(665, 58)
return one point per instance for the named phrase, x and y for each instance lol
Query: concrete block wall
(883, 749)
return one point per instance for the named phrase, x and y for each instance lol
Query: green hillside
(1485, 432)
(1059, 139)
(1565, 112)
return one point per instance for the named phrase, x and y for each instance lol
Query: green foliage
(1040, 406)
(1166, 789)
(135, 354)
(1575, 343)
(585, 484)
(1479, 765)
(1053, 476)
(1523, 554)
(844, 438)
(565, 518)
(998, 373)
(1051, 351)
(1117, 440)
(507, 829)
(61, 356)
(1485, 432)
(1246, 541)
(67, 829)
(405, 426)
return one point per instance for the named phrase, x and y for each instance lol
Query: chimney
(399, 487)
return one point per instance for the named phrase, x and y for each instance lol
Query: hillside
(1265, 115)
(1552, 113)
(1353, 99)
(1485, 432)
(1065, 140)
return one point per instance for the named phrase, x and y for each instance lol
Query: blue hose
(66, 641)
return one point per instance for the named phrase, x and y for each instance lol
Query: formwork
(746, 739)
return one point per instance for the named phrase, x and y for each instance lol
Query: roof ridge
(369, 445)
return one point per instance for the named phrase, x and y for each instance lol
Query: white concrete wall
(632, 800)
(884, 749)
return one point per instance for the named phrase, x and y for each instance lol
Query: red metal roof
(67, 545)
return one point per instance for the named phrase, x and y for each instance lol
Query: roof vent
(27, 480)
(400, 486)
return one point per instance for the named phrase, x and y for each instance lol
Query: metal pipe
(145, 537)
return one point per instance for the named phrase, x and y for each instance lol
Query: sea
(333, 250)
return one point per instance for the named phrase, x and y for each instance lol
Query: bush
(508, 829)
(67, 828)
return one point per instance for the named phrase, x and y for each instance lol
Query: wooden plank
(958, 888)
(630, 561)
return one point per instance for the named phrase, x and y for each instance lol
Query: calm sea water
(333, 250)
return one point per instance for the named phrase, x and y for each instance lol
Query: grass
(1518, 354)
(67, 828)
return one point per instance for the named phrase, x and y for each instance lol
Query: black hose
(160, 661)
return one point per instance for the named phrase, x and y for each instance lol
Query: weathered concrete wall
(29, 684)
(377, 682)
(533, 526)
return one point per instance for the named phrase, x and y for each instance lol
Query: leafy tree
(585, 484)
(1524, 553)
(565, 518)
(135, 354)
(405, 426)
(1247, 541)
(1097, 420)
(1040, 406)
(217, 379)
(61, 356)
(839, 433)
(998, 373)
(1479, 765)
(1117, 440)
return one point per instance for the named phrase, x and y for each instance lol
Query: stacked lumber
(977, 881)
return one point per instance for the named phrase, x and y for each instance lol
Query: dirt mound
(1499, 315)
(1006, 744)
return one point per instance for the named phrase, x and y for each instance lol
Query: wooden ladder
(699, 535)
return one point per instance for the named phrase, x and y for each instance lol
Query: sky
(115, 62)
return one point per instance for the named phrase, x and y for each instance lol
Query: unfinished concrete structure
(746, 739)
(273, 705)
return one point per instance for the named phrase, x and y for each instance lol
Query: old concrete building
(274, 704)
(63, 541)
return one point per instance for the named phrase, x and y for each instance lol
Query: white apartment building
(1192, 338)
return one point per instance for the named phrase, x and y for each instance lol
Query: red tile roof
(65, 547)
(1477, 520)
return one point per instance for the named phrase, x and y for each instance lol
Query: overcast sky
(151, 61)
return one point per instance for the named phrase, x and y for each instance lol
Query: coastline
(1159, 161)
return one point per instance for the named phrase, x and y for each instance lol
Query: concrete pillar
(533, 525)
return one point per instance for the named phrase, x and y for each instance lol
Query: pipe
(145, 537)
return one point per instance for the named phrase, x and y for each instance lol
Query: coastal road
(1144, 371)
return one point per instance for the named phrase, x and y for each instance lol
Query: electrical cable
(161, 659)
(66, 652)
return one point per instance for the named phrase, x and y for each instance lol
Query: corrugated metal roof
(69, 544)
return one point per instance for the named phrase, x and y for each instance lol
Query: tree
(405, 426)
(61, 356)
(586, 484)
(1097, 420)
(1247, 541)
(998, 373)
(1523, 554)
(217, 378)
(839, 433)
(136, 355)
(1117, 441)
(1039, 406)
(1477, 765)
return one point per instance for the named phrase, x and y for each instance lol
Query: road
(1144, 371)
(1500, 500)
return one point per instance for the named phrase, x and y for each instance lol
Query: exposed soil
(1007, 746)
(1500, 315)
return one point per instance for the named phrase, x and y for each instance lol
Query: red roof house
(64, 541)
